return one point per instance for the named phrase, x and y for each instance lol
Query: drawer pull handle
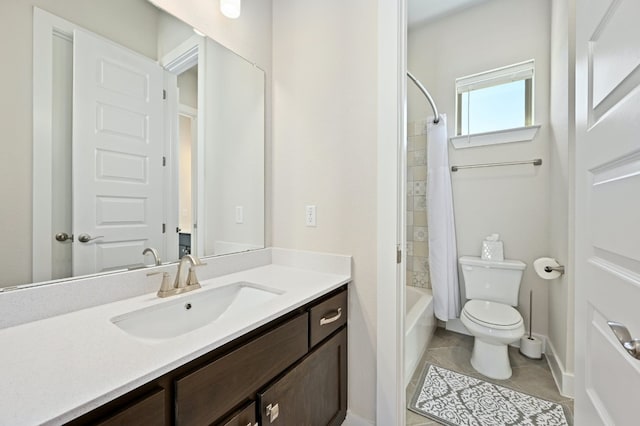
(336, 317)
(272, 412)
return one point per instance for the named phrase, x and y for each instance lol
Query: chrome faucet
(180, 285)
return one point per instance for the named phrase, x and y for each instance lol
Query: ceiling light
(230, 8)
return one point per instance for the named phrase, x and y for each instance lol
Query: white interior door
(117, 155)
(607, 209)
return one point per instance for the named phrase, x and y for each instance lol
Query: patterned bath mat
(459, 400)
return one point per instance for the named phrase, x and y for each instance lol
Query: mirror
(143, 134)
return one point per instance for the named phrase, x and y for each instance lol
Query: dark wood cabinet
(296, 363)
(209, 392)
(147, 411)
(327, 317)
(313, 393)
(246, 417)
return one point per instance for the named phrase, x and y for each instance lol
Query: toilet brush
(530, 346)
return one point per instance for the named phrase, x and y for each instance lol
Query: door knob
(63, 236)
(85, 238)
(632, 346)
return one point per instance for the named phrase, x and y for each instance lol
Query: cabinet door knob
(272, 412)
(338, 313)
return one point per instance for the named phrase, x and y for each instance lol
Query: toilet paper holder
(559, 268)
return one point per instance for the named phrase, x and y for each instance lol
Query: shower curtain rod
(424, 91)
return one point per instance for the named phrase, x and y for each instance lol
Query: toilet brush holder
(531, 347)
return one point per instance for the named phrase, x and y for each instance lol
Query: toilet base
(491, 360)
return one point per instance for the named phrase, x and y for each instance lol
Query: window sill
(518, 134)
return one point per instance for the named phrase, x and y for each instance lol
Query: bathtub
(419, 327)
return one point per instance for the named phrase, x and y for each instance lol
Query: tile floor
(453, 351)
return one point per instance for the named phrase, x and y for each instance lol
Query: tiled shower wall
(417, 241)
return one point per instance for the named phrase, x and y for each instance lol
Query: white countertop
(56, 369)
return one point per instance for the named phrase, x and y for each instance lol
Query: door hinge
(164, 228)
(164, 161)
(398, 254)
(164, 94)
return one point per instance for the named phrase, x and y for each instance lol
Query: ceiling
(421, 11)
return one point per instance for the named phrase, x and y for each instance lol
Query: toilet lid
(492, 314)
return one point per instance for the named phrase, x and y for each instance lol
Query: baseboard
(564, 380)
(355, 420)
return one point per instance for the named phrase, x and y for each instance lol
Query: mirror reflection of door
(188, 138)
(117, 154)
(106, 150)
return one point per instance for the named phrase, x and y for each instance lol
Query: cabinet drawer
(205, 395)
(145, 412)
(313, 393)
(246, 417)
(327, 317)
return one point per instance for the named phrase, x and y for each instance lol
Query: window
(496, 100)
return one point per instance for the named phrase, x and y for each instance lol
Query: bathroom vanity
(276, 354)
(292, 370)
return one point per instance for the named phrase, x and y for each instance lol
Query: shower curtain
(443, 262)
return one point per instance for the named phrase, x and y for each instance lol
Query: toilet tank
(495, 281)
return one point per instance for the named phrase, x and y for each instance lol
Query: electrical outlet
(310, 215)
(239, 214)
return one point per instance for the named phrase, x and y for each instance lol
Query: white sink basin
(194, 310)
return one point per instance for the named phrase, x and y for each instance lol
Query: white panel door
(117, 155)
(607, 209)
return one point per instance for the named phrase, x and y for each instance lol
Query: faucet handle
(166, 288)
(192, 279)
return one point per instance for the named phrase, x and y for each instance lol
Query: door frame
(192, 114)
(189, 53)
(391, 229)
(45, 25)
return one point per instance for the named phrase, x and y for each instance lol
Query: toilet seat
(492, 315)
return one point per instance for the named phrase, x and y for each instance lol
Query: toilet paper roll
(543, 262)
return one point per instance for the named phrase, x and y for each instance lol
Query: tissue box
(492, 250)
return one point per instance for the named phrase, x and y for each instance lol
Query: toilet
(492, 291)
